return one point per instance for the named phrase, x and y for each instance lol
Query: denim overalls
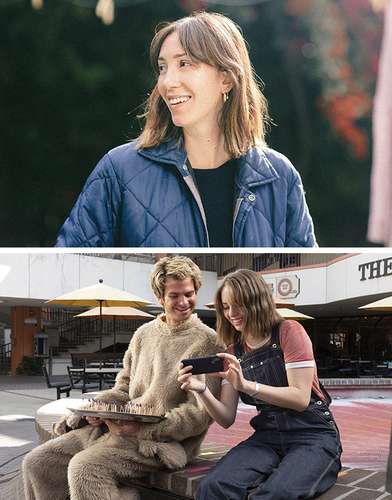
(291, 455)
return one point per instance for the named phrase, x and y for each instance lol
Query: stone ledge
(362, 383)
(353, 484)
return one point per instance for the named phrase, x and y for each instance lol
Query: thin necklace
(260, 344)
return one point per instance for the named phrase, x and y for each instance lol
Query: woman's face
(193, 91)
(233, 313)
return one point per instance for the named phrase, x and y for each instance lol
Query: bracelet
(203, 390)
(257, 389)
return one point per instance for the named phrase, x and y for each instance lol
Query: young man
(93, 462)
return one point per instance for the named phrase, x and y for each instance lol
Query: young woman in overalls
(295, 450)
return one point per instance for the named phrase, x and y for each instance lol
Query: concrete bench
(354, 484)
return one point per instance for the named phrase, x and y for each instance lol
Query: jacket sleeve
(93, 220)
(299, 224)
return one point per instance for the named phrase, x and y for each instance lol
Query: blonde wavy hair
(216, 40)
(253, 296)
(178, 268)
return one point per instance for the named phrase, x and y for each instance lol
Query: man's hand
(124, 428)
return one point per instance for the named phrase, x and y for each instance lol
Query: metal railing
(74, 332)
(80, 331)
(58, 316)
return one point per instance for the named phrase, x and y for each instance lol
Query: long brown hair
(252, 294)
(216, 40)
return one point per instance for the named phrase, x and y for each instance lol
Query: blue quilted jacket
(147, 198)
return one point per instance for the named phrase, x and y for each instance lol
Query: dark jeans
(292, 455)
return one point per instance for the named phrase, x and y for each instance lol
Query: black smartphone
(209, 364)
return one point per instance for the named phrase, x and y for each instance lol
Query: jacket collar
(255, 167)
(171, 152)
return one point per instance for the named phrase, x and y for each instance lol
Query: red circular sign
(285, 287)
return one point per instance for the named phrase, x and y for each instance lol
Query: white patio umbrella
(99, 295)
(382, 305)
(115, 313)
(287, 313)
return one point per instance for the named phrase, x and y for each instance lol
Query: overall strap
(326, 394)
(238, 349)
(275, 333)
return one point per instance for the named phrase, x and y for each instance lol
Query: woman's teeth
(178, 100)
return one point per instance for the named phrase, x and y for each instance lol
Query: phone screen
(209, 364)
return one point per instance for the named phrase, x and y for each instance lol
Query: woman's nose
(233, 311)
(171, 78)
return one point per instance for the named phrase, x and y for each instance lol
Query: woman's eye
(161, 68)
(185, 63)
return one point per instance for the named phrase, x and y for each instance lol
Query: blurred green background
(71, 88)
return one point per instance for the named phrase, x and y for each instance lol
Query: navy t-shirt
(216, 188)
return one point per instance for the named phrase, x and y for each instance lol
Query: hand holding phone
(208, 364)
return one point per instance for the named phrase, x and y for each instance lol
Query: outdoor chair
(61, 387)
(80, 379)
(108, 380)
(77, 361)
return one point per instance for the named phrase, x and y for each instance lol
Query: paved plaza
(364, 423)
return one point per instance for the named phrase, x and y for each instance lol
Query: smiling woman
(269, 364)
(200, 174)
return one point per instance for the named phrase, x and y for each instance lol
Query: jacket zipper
(236, 210)
(193, 189)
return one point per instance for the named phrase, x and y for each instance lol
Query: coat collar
(255, 167)
(171, 152)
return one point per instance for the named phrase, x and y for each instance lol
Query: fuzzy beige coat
(93, 465)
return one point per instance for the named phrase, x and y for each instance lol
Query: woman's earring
(225, 96)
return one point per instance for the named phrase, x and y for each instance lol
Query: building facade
(348, 341)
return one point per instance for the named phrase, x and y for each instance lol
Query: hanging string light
(105, 11)
(37, 4)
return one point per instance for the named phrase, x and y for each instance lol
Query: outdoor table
(103, 364)
(101, 372)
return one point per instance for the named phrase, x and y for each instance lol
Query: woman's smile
(176, 101)
(236, 322)
(179, 105)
